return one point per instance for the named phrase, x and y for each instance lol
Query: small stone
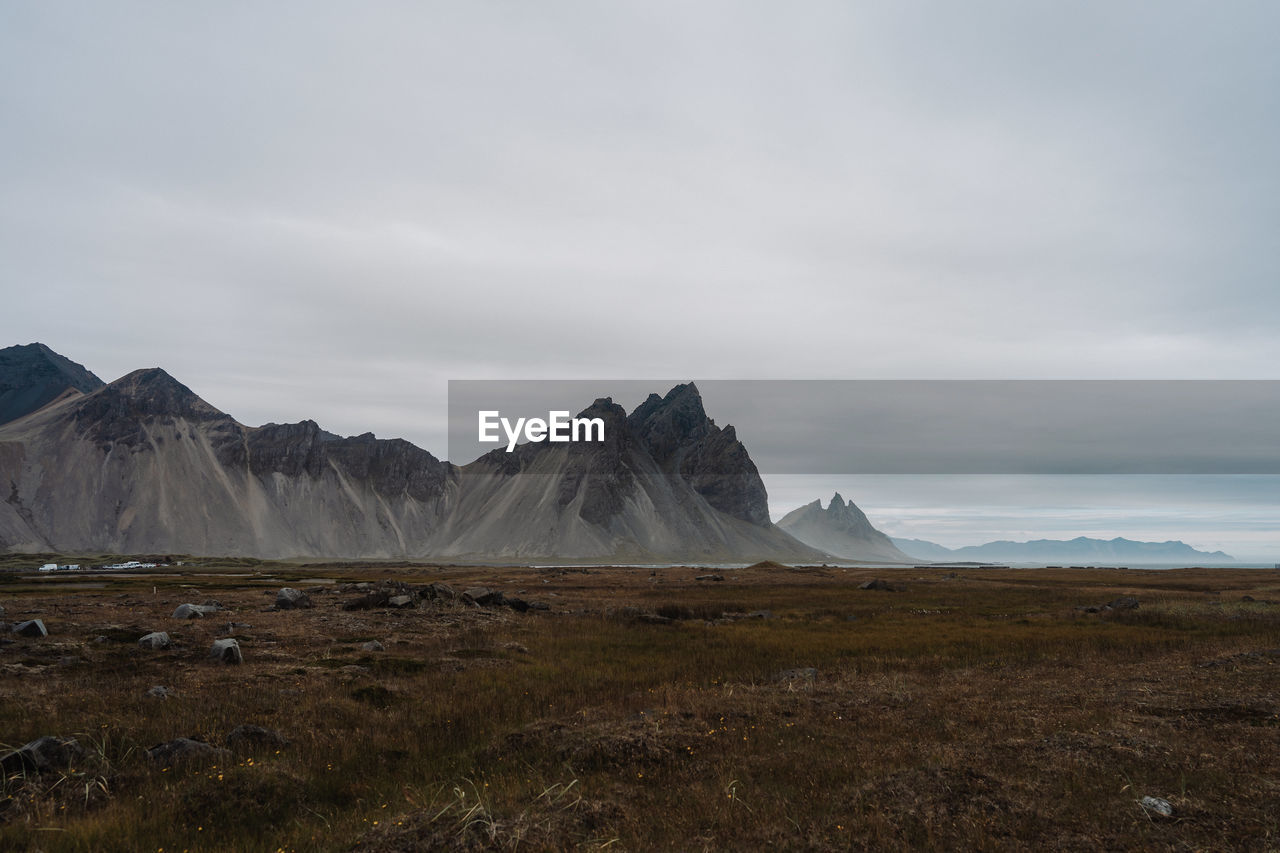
(1160, 806)
(160, 692)
(156, 640)
(373, 646)
(292, 599)
(226, 651)
(31, 628)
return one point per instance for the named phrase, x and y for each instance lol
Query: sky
(328, 210)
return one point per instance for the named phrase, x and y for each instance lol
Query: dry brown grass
(977, 712)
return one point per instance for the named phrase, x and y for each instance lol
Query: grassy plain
(966, 709)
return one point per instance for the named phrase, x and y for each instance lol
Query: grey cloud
(318, 210)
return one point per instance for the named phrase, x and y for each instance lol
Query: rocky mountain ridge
(32, 376)
(143, 465)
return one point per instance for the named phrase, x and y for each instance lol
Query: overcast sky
(327, 210)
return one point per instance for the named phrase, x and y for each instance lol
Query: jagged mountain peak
(841, 529)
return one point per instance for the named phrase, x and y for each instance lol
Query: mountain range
(1081, 550)
(144, 465)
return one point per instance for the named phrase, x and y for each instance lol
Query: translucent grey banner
(936, 426)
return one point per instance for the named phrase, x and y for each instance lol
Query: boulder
(482, 596)
(877, 584)
(41, 754)
(248, 737)
(226, 651)
(194, 611)
(400, 601)
(1126, 602)
(441, 591)
(292, 599)
(155, 640)
(31, 628)
(172, 752)
(373, 646)
(160, 692)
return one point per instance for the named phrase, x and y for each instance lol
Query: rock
(482, 596)
(1242, 598)
(155, 640)
(41, 754)
(760, 614)
(400, 601)
(539, 605)
(519, 605)
(709, 578)
(373, 646)
(292, 599)
(1155, 804)
(193, 611)
(877, 584)
(159, 692)
(441, 591)
(655, 619)
(226, 651)
(172, 752)
(1127, 602)
(247, 737)
(31, 628)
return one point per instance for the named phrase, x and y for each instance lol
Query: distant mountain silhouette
(841, 530)
(1077, 551)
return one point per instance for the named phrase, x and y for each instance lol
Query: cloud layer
(322, 210)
